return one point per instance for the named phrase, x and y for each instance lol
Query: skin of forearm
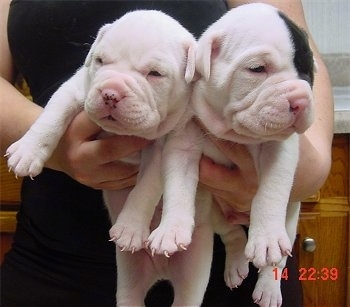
(316, 143)
(16, 116)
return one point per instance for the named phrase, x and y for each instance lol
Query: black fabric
(219, 295)
(61, 255)
(50, 39)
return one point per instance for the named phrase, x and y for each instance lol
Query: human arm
(79, 154)
(315, 143)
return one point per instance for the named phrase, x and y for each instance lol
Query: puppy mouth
(110, 118)
(272, 126)
(127, 113)
(126, 121)
(264, 126)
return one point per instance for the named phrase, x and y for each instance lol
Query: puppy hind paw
(236, 270)
(234, 279)
(267, 298)
(267, 292)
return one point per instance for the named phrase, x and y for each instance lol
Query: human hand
(234, 187)
(94, 162)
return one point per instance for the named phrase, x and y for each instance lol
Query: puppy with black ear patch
(257, 71)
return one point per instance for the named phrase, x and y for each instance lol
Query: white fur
(256, 109)
(232, 102)
(263, 110)
(135, 81)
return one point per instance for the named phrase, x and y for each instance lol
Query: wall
(329, 23)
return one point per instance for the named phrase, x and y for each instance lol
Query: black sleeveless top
(49, 41)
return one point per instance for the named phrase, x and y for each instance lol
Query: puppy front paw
(267, 246)
(129, 236)
(168, 238)
(25, 158)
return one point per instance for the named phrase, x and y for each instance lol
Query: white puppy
(253, 62)
(257, 73)
(135, 81)
(239, 82)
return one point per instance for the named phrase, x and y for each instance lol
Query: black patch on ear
(303, 57)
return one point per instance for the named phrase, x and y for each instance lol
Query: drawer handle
(309, 245)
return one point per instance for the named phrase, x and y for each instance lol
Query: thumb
(115, 147)
(108, 148)
(84, 127)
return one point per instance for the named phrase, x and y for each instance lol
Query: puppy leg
(28, 155)
(267, 291)
(190, 270)
(132, 227)
(235, 240)
(134, 235)
(236, 264)
(136, 274)
(268, 239)
(180, 167)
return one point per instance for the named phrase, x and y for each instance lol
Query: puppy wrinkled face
(253, 88)
(138, 81)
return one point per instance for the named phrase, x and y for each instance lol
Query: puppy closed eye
(258, 69)
(154, 73)
(99, 60)
(155, 76)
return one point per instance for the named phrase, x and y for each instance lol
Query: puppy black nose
(111, 97)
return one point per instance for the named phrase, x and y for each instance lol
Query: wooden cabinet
(324, 222)
(324, 219)
(9, 202)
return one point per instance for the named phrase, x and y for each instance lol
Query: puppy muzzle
(272, 111)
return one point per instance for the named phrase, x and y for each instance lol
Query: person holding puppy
(61, 255)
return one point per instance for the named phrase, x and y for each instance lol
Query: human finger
(218, 176)
(114, 148)
(116, 176)
(105, 149)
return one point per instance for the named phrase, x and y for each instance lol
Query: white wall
(329, 23)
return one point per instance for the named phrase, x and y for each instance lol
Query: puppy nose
(298, 105)
(111, 97)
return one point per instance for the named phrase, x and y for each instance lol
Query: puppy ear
(208, 48)
(100, 34)
(190, 62)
